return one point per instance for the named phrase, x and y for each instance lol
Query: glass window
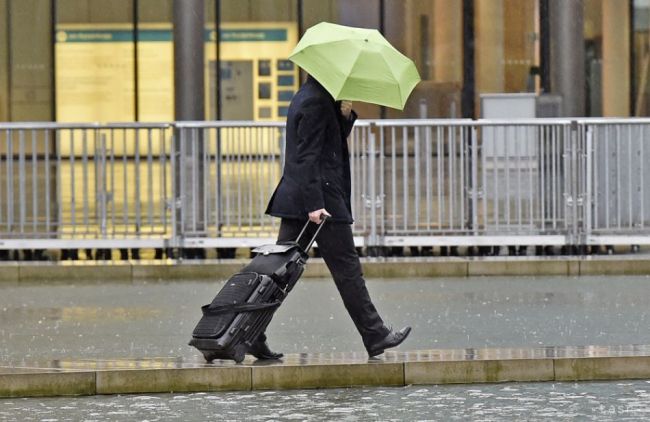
(4, 62)
(95, 74)
(264, 68)
(593, 36)
(315, 11)
(255, 39)
(506, 46)
(607, 41)
(431, 34)
(258, 11)
(360, 13)
(155, 11)
(27, 82)
(641, 65)
(155, 61)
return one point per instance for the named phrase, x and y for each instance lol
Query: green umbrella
(356, 64)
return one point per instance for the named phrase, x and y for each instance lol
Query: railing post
(21, 182)
(10, 180)
(219, 181)
(372, 187)
(588, 177)
(100, 155)
(373, 201)
(572, 202)
(177, 182)
(474, 189)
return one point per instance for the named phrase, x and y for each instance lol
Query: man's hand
(346, 108)
(315, 216)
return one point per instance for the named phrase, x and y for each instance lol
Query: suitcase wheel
(240, 353)
(209, 356)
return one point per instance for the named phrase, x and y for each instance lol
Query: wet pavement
(113, 326)
(109, 320)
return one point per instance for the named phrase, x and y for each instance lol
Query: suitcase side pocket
(236, 291)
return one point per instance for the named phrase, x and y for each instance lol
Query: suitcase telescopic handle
(313, 239)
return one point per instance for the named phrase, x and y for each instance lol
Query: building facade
(107, 61)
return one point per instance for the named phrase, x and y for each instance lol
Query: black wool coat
(317, 162)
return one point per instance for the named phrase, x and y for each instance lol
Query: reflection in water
(76, 314)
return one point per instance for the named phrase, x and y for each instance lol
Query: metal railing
(472, 182)
(84, 185)
(613, 185)
(225, 174)
(414, 183)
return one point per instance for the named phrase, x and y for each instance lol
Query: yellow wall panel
(94, 75)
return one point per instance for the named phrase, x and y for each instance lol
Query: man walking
(316, 182)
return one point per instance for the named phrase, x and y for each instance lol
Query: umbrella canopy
(356, 64)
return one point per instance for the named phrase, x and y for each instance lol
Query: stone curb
(373, 268)
(282, 376)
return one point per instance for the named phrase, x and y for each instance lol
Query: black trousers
(336, 246)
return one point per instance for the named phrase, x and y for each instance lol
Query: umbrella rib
(383, 58)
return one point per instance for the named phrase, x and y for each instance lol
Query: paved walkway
(98, 310)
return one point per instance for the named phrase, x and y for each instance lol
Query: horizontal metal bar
(473, 240)
(365, 122)
(417, 122)
(258, 124)
(86, 125)
(623, 239)
(245, 242)
(227, 124)
(470, 122)
(225, 242)
(239, 242)
(83, 243)
(613, 121)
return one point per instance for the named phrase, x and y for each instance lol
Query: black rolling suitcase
(243, 308)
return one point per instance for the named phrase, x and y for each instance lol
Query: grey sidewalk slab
(478, 371)
(186, 379)
(326, 370)
(47, 384)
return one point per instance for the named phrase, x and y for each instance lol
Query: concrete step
(326, 370)
(13, 272)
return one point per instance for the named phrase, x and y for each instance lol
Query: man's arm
(349, 117)
(311, 131)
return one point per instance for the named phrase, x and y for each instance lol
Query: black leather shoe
(394, 338)
(261, 350)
